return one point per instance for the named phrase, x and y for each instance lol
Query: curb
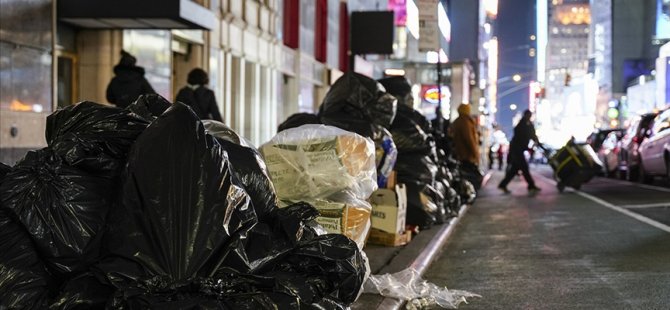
(429, 253)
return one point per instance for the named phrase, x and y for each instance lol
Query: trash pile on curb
(151, 207)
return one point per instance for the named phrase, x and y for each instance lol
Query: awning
(134, 14)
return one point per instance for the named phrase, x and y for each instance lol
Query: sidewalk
(419, 254)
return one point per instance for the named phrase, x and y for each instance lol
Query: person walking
(523, 133)
(498, 143)
(463, 132)
(200, 98)
(128, 82)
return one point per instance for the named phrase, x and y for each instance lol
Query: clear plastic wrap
(316, 161)
(344, 214)
(420, 294)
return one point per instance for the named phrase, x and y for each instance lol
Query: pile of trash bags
(404, 141)
(147, 207)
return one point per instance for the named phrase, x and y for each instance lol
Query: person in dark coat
(523, 133)
(128, 82)
(200, 98)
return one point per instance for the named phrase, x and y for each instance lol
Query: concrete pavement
(575, 250)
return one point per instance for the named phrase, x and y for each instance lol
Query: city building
(266, 59)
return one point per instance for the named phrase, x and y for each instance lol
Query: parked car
(655, 150)
(609, 152)
(629, 157)
(597, 137)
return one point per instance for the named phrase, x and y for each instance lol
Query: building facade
(266, 59)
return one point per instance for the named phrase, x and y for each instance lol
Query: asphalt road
(604, 247)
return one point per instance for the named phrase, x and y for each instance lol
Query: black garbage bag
(279, 234)
(64, 209)
(409, 137)
(93, 137)
(85, 291)
(415, 168)
(297, 120)
(331, 266)
(465, 190)
(472, 173)
(249, 166)
(355, 101)
(184, 211)
(399, 87)
(149, 106)
(4, 169)
(421, 209)
(222, 131)
(24, 280)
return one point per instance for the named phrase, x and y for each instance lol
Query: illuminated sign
(399, 8)
(443, 22)
(430, 94)
(412, 18)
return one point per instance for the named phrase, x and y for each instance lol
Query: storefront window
(333, 33)
(153, 53)
(307, 20)
(26, 79)
(306, 97)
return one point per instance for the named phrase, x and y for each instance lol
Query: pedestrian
(200, 98)
(463, 132)
(128, 82)
(524, 132)
(497, 149)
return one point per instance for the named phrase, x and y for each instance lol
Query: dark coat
(128, 84)
(523, 133)
(201, 100)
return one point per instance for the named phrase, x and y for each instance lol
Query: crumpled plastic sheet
(24, 280)
(64, 209)
(315, 161)
(93, 137)
(409, 286)
(297, 120)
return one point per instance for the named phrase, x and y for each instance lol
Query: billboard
(662, 19)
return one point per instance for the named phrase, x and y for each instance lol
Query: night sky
(515, 25)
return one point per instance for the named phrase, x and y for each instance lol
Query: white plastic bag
(408, 285)
(316, 161)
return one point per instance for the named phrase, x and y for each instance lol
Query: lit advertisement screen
(663, 19)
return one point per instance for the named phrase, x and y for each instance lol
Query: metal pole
(438, 112)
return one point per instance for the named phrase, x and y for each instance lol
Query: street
(604, 247)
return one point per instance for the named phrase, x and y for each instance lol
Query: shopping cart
(574, 164)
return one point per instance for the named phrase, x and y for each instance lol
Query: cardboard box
(378, 237)
(349, 219)
(389, 209)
